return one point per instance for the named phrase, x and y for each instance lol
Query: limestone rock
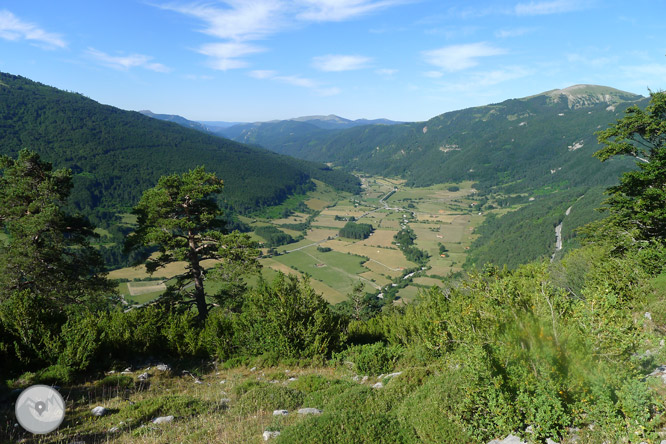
(309, 411)
(99, 411)
(268, 434)
(280, 412)
(163, 419)
(511, 439)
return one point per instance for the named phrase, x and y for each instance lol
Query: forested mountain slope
(117, 154)
(517, 144)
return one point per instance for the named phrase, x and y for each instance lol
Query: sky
(259, 60)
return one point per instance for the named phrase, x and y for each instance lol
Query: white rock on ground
(143, 376)
(163, 367)
(268, 434)
(309, 411)
(378, 385)
(280, 412)
(99, 411)
(511, 439)
(163, 419)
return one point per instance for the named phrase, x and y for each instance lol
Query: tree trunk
(197, 276)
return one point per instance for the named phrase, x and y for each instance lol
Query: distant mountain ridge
(580, 96)
(176, 119)
(523, 143)
(115, 154)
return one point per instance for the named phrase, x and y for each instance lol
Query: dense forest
(115, 155)
(515, 146)
(353, 230)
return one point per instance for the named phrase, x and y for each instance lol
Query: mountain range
(535, 151)
(115, 154)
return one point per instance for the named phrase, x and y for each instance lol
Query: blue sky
(256, 60)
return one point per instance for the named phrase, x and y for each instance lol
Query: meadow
(436, 214)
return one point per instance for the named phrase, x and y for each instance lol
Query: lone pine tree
(181, 217)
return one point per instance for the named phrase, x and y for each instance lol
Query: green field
(435, 214)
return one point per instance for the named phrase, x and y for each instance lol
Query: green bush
(310, 383)
(269, 397)
(289, 319)
(320, 398)
(430, 411)
(176, 405)
(372, 359)
(116, 381)
(347, 427)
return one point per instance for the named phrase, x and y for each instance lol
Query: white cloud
(338, 62)
(433, 74)
(477, 81)
(460, 57)
(295, 80)
(13, 28)
(243, 21)
(124, 63)
(548, 7)
(263, 74)
(224, 56)
(239, 20)
(515, 32)
(649, 75)
(339, 10)
(386, 72)
(596, 62)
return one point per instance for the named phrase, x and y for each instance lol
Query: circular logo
(40, 409)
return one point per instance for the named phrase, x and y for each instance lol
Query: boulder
(99, 411)
(511, 439)
(269, 434)
(280, 412)
(163, 419)
(309, 411)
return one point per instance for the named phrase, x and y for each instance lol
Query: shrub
(310, 383)
(372, 359)
(430, 412)
(347, 427)
(268, 397)
(289, 319)
(176, 405)
(320, 398)
(116, 381)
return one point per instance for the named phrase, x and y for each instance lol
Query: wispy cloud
(295, 80)
(479, 81)
(433, 74)
(459, 57)
(596, 62)
(339, 10)
(237, 22)
(388, 72)
(548, 7)
(339, 62)
(514, 32)
(227, 55)
(650, 75)
(13, 28)
(124, 63)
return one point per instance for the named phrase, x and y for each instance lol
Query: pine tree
(639, 201)
(181, 217)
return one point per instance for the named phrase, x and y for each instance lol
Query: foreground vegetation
(569, 350)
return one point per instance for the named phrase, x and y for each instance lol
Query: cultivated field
(436, 215)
